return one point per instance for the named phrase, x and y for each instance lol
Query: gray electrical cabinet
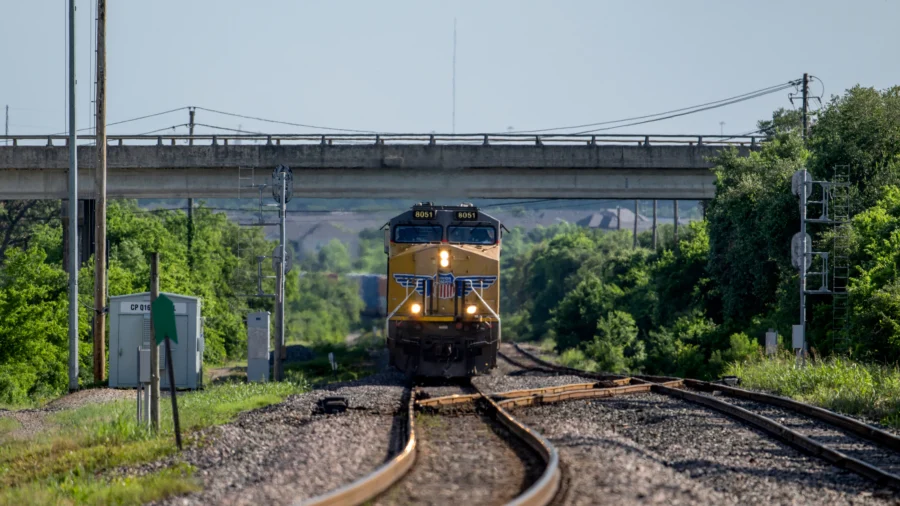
(258, 346)
(129, 330)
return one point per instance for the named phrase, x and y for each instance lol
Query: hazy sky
(387, 65)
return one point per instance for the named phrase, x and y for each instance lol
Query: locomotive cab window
(472, 235)
(418, 233)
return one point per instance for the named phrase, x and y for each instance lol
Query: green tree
(751, 222)
(860, 129)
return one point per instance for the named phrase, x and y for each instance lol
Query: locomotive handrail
(489, 308)
(387, 321)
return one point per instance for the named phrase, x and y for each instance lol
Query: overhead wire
(751, 94)
(670, 116)
(131, 119)
(287, 123)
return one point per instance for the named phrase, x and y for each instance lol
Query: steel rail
(450, 400)
(544, 489)
(594, 393)
(787, 435)
(379, 480)
(861, 429)
(776, 429)
(569, 370)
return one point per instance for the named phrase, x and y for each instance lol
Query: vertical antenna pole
(73, 211)
(6, 130)
(454, 75)
(100, 208)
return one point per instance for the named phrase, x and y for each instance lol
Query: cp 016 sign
(144, 307)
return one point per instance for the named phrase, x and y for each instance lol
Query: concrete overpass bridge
(375, 166)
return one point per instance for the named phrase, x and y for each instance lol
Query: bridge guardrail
(390, 139)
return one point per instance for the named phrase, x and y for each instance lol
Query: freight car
(372, 291)
(443, 293)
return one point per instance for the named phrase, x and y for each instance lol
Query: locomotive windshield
(472, 235)
(418, 233)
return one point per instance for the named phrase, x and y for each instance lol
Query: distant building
(608, 219)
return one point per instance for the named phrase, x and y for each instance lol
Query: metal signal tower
(832, 199)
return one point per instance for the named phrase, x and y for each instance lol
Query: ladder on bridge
(840, 301)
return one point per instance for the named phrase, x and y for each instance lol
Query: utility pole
(675, 232)
(6, 130)
(73, 211)
(634, 238)
(190, 230)
(100, 209)
(278, 367)
(805, 106)
(618, 217)
(154, 348)
(654, 224)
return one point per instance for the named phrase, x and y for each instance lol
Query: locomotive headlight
(445, 258)
(471, 309)
(415, 308)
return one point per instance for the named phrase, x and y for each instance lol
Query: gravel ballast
(291, 451)
(650, 448)
(823, 433)
(465, 459)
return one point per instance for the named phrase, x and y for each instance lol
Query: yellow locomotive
(443, 293)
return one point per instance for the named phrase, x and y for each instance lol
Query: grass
(70, 462)
(839, 384)
(115, 490)
(8, 425)
(353, 362)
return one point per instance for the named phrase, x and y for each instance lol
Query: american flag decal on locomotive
(447, 283)
(446, 287)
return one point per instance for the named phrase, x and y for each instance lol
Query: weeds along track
(839, 440)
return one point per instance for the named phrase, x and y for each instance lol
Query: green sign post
(162, 312)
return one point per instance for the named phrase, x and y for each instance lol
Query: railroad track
(839, 440)
(385, 485)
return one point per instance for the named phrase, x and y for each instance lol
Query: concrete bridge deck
(382, 166)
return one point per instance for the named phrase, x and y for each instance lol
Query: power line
(288, 123)
(766, 90)
(131, 119)
(670, 116)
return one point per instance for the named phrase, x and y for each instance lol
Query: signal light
(415, 308)
(471, 309)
